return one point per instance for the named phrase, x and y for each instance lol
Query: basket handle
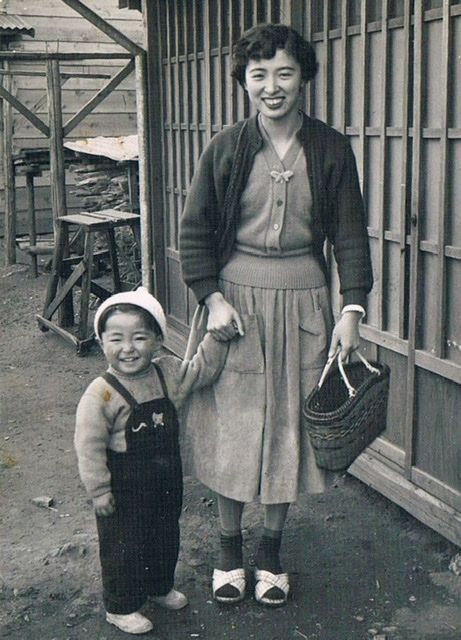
(351, 390)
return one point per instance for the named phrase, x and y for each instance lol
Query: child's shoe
(134, 623)
(173, 600)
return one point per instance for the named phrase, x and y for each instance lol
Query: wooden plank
(207, 60)
(147, 271)
(57, 165)
(67, 335)
(105, 8)
(363, 92)
(380, 265)
(7, 162)
(98, 98)
(419, 503)
(343, 65)
(17, 104)
(104, 26)
(42, 74)
(179, 97)
(326, 63)
(31, 216)
(34, 56)
(404, 172)
(416, 188)
(154, 37)
(441, 291)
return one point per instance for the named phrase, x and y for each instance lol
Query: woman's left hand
(345, 335)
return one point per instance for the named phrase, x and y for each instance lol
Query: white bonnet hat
(139, 298)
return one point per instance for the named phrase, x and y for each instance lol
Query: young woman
(265, 195)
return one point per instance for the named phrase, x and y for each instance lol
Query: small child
(128, 453)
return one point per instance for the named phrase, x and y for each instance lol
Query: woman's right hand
(104, 505)
(224, 321)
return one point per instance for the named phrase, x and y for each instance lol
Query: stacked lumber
(101, 185)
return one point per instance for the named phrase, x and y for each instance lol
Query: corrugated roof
(10, 24)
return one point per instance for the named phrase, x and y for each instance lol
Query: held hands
(345, 335)
(104, 505)
(224, 323)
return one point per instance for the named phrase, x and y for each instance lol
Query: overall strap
(162, 379)
(118, 386)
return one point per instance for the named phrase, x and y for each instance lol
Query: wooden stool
(70, 271)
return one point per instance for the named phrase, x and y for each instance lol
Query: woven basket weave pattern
(340, 427)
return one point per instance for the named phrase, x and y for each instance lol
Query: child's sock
(267, 555)
(230, 554)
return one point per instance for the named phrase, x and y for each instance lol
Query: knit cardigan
(212, 209)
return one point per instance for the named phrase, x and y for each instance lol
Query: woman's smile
(273, 85)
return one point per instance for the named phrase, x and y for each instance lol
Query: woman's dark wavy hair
(263, 40)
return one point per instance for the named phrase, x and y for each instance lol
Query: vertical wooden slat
(207, 59)
(404, 172)
(380, 266)
(8, 177)
(326, 62)
(57, 168)
(343, 72)
(177, 132)
(148, 271)
(219, 92)
(187, 90)
(236, 90)
(154, 37)
(309, 92)
(440, 298)
(363, 93)
(197, 93)
(241, 106)
(31, 217)
(416, 185)
(171, 142)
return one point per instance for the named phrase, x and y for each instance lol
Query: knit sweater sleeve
(186, 376)
(91, 439)
(348, 230)
(197, 237)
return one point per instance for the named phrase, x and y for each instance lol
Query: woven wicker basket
(346, 411)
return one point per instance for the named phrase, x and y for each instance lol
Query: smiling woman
(266, 194)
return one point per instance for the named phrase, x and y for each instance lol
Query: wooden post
(57, 167)
(31, 217)
(148, 271)
(8, 169)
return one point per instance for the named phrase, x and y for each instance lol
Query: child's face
(127, 343)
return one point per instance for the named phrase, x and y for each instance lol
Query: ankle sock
(230, 554)
(268, 553)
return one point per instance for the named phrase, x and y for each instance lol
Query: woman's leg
(230, 518)
(267, 556)
(229, 577)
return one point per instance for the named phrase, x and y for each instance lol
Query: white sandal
(234, 578)
(265, 580)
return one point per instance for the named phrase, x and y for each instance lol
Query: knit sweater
(212, 209)
(102, 412)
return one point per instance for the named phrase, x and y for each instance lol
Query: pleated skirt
(245, 432)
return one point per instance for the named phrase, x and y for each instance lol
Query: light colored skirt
(245, 434)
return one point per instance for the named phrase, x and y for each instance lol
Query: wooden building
(389, 80)
(54, 27)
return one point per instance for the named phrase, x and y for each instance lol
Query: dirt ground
(360, 566)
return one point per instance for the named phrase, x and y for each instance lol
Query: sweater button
(279, 203)
(276, 226)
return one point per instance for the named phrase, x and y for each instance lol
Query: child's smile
(128, 344)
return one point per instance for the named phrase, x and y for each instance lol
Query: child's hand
(104, 505)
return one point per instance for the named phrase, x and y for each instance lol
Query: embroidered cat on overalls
(157, 421)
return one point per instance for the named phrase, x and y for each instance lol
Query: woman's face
(273, 85)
